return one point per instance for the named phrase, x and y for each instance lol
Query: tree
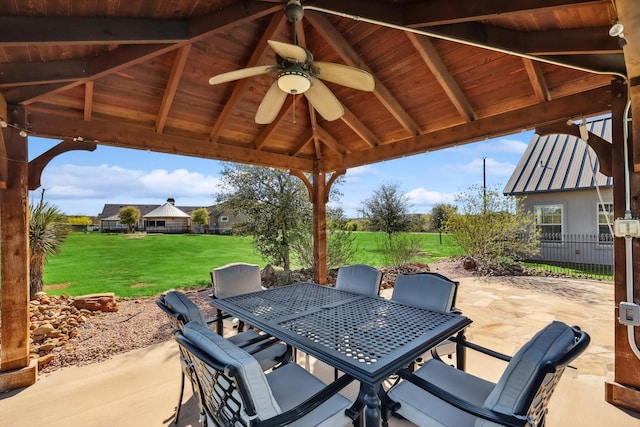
(440, 214)
(276, 206)
(129, 216)
(47, 231)
(200, 217)
(387, 210)
(498, 234)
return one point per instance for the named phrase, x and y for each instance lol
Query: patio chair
(181, 310)
(360, 279)
(440, 395)
(234, 279)
(233, 389)
(431, 291)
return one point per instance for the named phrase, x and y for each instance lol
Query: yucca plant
(47, 231)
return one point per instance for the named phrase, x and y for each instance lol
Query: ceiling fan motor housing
(293, 11)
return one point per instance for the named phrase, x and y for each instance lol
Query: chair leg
(180, 399)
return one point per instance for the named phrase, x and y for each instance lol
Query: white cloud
(505, 145)
(492, 166)
(356, 174)
(424, 197)
(67, 185)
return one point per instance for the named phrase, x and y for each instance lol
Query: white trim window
(224, 219)
(549, 222)
(605, 218)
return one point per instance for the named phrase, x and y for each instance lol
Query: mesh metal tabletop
(368, 337)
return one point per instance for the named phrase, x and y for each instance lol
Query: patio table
(369, 338)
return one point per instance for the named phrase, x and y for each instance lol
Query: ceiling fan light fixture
(294, 81)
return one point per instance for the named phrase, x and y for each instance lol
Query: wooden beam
(624, 390)
(306, 138)
(351, 57)
(595, 101)
(432, 58)
(601, 146)
(4, 166)
(179, 63)
(319, 228)
(202, 27)
(439, 12)
(629, 16)
(88, 100)
(271, 128)
(37, 165)
(331, 142)
(118, 134)
(350, 119)
(14, 217)
(29, 73)
(89, 30)
(538, 82)
(243, 84)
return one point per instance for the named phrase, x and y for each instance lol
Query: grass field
(146, 265)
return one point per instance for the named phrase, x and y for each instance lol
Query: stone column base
(622, 396)
(18, 378)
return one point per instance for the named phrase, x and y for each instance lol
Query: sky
(82, 182)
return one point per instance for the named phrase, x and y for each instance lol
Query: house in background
(557, 179)
(168, 218)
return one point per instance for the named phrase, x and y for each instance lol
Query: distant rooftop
(559, 162)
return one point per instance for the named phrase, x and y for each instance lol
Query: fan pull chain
(294, 108)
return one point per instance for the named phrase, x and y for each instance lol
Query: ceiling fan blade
(344, 75)
(289, 51)
(324, 101)
(270, 105)
(241, 74)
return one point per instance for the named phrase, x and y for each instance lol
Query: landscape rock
(96, 302)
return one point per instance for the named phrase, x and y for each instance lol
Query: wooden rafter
(241, 85)
(538, 82)
(430, 56)
(179, 63)
(595, 101)
(88, 100)
(126, 56)
(331, 142)
(350, 56)
(49, 30)
(359, 128)
(269, 130)
(304, 140)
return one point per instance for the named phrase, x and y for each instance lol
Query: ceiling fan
(298, 73)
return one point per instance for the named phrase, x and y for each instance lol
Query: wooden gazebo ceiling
(135, 74)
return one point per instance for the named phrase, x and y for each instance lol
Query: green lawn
(146, 265)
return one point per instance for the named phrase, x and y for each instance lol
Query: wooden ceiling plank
(538, 82)
(241, 85)
(432, 58)
(222, 20)
(88, 100)
(328, 140)
(118, 134)
(359, 128)
(177, 69)
(350, 56)
(73, 30)
(588, 103)
(304, 140)
(21, 74)
(440, 12)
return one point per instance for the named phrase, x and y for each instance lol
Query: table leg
(372, 405)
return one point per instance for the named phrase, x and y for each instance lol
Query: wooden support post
(15, 368)
(625, 390)
(319, 228)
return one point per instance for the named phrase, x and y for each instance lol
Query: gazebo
(425, 75)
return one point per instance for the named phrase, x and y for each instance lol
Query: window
(549, 222)
(224, 219)
(605, 217)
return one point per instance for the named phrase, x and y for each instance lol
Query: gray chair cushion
(267, 357)
(236, 279)
(249, 369)
(360, 279)
(291, 385)
(515, 384)
(181, 304)
(426, 410)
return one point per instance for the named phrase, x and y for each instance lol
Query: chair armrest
(478, 411)
(308, 405)
(481, 349)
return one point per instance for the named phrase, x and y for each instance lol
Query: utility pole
(484, 185)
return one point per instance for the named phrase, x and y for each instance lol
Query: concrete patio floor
(140, 388)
